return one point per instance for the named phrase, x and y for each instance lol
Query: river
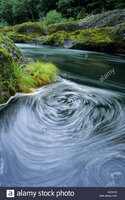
(70, 133)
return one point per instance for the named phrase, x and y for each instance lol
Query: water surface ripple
(66, 134)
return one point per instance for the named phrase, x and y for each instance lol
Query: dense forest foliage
(18, 11)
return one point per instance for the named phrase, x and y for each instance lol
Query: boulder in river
(107, 19)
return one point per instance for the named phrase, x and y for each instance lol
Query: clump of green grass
(42, 73)
(24, 82)
(25, 79)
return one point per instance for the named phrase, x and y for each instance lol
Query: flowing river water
(69, 133)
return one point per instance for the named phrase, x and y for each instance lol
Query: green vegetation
(41, 73)
(30, 28)
(19, 38)
(100, 32)
(57, 39)
(3, 23)
(54, 17)
(8, 50)
(99, 38)
(16, 11)
(16, 78)
(68, 27)
(65, 23)
(109, 39)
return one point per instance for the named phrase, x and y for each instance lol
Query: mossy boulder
(4, 30)
(109, 39)
(59, 39)
(6, 91)
(8, 51)
(107, 19)
(19, 38)
(68, 27)
(17, 76)
(5, 57)
(95, 39)
(30, 28)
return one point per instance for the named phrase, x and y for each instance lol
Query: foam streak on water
(64, 135)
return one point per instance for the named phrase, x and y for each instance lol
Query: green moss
(19, 38)
(5, 30)
(12, 49)
(59, 38)
(5, 57)
(90, 38)
(118, 31)
(94, 39)
(20, 79)
(30, 28)
(68, 27)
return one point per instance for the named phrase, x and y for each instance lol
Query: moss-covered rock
(30, 28)
(107, 19)
(4, 30)
(14, 77)
(19, 38)
(5, 57)
(8, 51)
(6, 91)
(101, 32)
(95, 39)
(59, 38)
(68, 27)
(110, 39)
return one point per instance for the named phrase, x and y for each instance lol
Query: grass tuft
(25, 79)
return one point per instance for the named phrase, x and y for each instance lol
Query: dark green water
(84, 67)
(69, 133)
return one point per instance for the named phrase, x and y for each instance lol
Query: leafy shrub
(3, 23)
(54, 17)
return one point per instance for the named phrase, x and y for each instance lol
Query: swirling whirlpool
(63, 135)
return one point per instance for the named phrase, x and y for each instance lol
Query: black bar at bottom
(53, 193)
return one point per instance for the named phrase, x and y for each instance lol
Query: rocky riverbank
(18, 74)
(103, 32)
